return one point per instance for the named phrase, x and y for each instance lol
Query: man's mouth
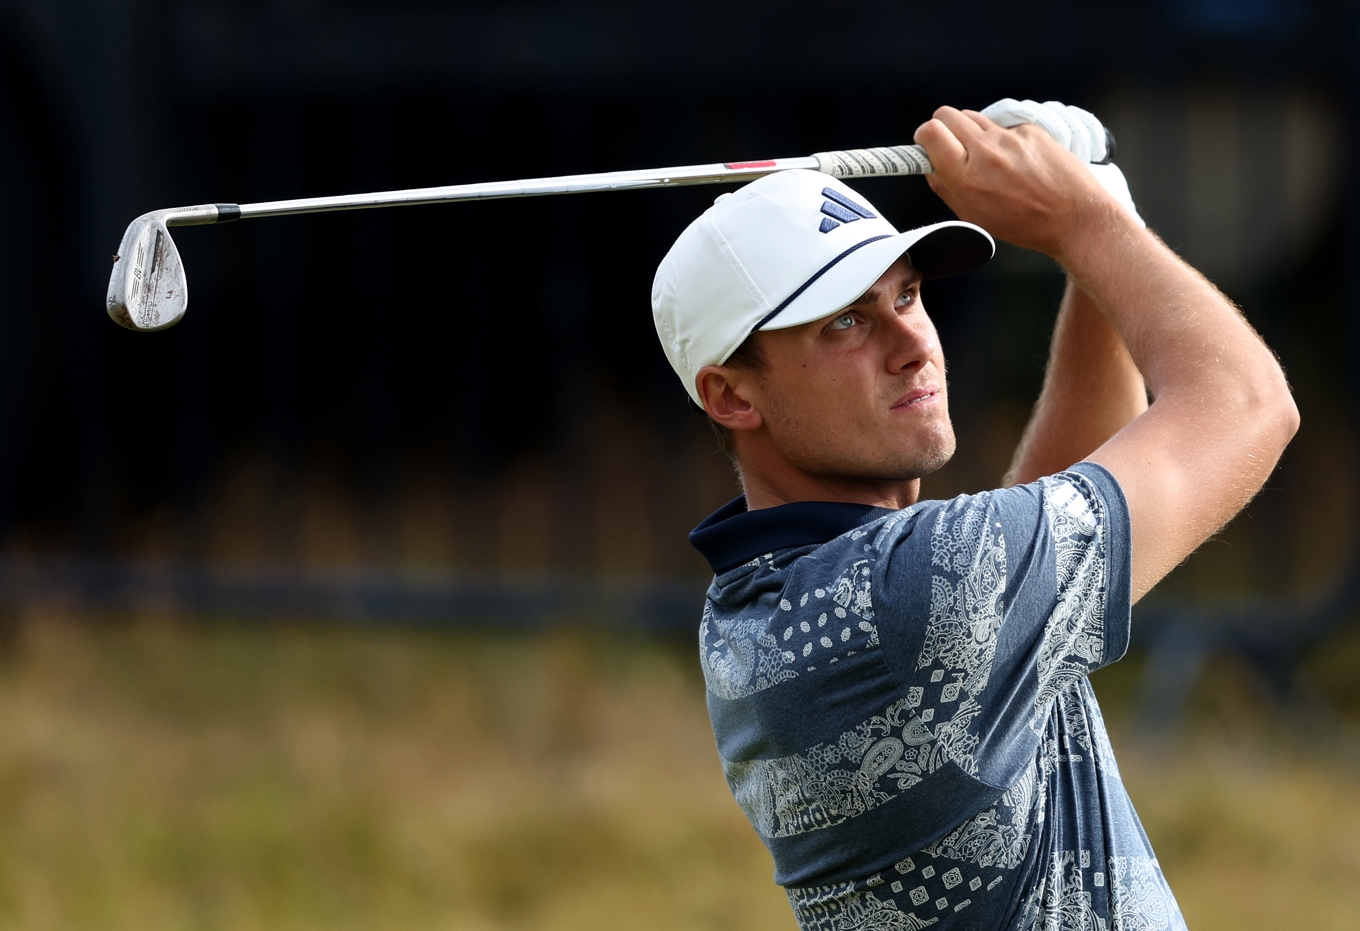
(918, 398)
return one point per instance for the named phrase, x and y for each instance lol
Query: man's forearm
(1183, 334)
(1223, 411)
(1091, 390)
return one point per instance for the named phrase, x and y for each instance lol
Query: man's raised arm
(1222, 411)
(1092, 390)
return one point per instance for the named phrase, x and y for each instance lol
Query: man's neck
(766, 490)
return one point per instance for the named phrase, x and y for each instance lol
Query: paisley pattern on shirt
(1140, 898)
(966, 586)
(746, 660)
(999, 836)
(1014, 604)
(742, 655)
(1066, 897)
(1074, 640)
(830, 783)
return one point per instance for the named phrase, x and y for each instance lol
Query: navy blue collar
(732, 536)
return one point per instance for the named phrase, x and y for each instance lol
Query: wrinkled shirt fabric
(901, 704)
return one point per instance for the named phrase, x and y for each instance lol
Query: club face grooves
(147, 288)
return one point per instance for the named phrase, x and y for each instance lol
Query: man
(899, 688)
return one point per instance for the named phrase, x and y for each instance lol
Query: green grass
(182, 776)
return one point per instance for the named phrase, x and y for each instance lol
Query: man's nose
(913, 342)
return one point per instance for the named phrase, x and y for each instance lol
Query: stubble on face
(838, 441)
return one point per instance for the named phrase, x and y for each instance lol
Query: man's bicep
(1182, 484)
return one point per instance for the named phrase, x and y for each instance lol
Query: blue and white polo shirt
(901, 703)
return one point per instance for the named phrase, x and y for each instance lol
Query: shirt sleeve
(993, 605)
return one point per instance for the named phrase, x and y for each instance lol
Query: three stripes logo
(841, 209)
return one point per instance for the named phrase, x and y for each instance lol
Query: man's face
(860, 395)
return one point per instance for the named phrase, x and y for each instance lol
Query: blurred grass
(156, 775)
(162, 776)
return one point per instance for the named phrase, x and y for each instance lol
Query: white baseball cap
(790, 248)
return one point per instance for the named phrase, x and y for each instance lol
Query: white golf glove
(1079, 131)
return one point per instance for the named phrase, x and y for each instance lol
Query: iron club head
(147, 289)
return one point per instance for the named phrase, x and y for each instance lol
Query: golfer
(899, 687)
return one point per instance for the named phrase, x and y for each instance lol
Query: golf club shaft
(853, 163)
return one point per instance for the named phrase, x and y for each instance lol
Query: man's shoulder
(1085, 491)
(899, 555)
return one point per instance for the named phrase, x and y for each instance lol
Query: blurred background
(362, 598)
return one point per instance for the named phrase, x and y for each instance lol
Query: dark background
(478, 387)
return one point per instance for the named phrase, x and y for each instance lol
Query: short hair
(749, 357)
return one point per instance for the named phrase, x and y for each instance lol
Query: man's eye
(908, 297)
(843, 322)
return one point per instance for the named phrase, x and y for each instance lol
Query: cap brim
(936, 251)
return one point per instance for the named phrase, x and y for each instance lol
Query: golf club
(148, 289)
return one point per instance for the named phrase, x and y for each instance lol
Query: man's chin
(903, 461)
(935, 464)
(898, 469)
(922, 459)
(920, 467)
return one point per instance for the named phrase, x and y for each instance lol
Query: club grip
(888, 160)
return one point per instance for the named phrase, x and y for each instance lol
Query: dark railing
(520, 600)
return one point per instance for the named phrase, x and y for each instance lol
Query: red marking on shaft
(764, 163)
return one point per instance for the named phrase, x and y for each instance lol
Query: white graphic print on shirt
(743, 657)
(977, 864)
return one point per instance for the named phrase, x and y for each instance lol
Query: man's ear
(724, 392)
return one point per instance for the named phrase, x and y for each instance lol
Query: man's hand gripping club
(1222, 412)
